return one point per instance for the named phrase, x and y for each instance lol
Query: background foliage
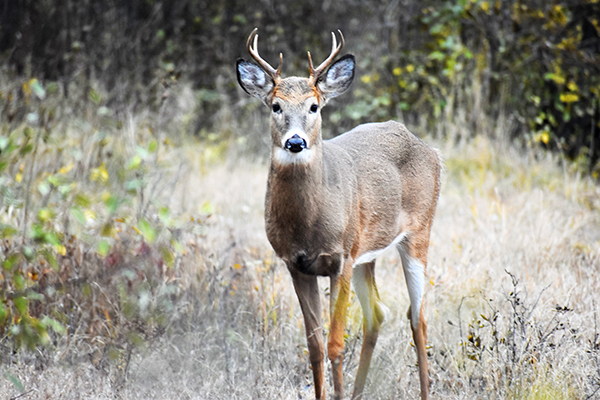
(536, 62)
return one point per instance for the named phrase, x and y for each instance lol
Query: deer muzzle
(295, 144)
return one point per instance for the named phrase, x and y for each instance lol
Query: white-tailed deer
(332, 206)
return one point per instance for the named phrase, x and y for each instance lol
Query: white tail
(333, 206)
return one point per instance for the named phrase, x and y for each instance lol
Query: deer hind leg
(414, 260)
(340, 295)
(309, 297)
(363, 281)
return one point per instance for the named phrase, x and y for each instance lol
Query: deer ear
(254, 80)
(339, 77)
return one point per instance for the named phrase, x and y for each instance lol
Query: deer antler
(335, 50)
(252, 46)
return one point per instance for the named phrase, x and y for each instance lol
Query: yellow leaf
(410, 68)
(45, 215)
(545, 137)
(485, 6)
(569, 97)
(65, 169)
(397, 71)
(572, 86)
(19, 177)
(99, 174)
(366, 78)
(27, 90)
(237, 266)
(60, 249)
(89, 215)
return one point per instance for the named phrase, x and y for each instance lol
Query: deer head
(295, 102)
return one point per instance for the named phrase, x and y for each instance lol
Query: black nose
(295, 144)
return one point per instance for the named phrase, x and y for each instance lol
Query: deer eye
(276, 108)
(314, 108)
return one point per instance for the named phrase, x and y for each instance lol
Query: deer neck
(296, 194)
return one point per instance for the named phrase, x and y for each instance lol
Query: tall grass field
(135, 266)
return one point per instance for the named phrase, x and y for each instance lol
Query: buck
(332, 206)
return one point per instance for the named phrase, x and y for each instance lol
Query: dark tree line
(535, 61)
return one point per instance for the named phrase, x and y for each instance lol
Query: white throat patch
(285, 157)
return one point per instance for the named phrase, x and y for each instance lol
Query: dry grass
(512, 298)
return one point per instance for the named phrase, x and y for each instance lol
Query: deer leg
(340, 295)
(420, 338)
(414, 272)
(307, 290)
(363, 281)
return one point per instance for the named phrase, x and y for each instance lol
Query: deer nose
(295, 144)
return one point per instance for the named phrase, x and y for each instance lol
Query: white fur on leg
(372, 255)
(366, 296)
(362, 290)
(414, 273)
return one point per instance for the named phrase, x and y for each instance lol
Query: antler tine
(335, 50)
(252, 45)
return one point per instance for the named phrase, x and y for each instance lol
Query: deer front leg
(340, 295)
(307, 290)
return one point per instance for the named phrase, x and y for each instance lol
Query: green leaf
(4, 143)
(437, 55)
(7, 231)
(54, 324)
(45, 215)
(112, 204)
(163, 214)
(134, 184)
(27, 148)
(167, 256)
(82, 200)
(436, 29)
(240, 19)
(15, 381)
(78, 215)
(152, 146)
(3, 314)
(103, 247)
(107, 230)
(28, 252)
(11, 261)
(135, 162)
(147, 231)
(49, 257)
(35, 296)
(94, 97)
(207, 208)
(18, 280)
(142, 152)
(21, 304)
(37, 88)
